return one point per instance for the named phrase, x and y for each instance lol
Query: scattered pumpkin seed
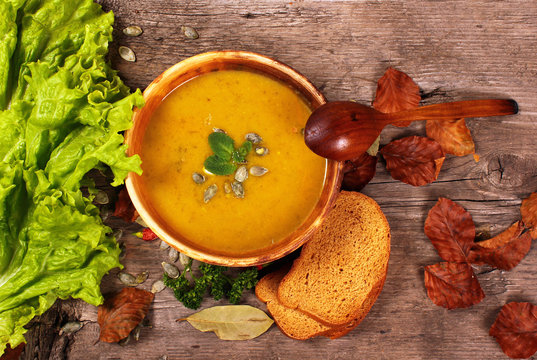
(173, 255)
(253, 138)
(227, 187)
(184, 259)
(190, 32)
(163, 245)
(133, 31)
(101, 198)
(127, 279)
(163, 357)
(210, 192)
(122, 250)
(258, 170)
(198, 178)
(157, 286)
(238, 189)
(170, 270)
(141, 277)
(127, 54)
(118, 234)
(141, 221)
(71, 327)
(105, 213)
(241, 174)
(215, 129)
(136, 332)
(125, 341)
(261, 151)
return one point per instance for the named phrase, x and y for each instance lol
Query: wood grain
(454, 50)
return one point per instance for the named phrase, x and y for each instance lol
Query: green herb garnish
(226, 157)
(213, 279)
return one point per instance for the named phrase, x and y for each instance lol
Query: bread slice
(292, 323)
(341, 270)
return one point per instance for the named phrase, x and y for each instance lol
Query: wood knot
(511, 172)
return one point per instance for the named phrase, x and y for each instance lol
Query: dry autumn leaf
(124, 207)
(503, 251)
(414, 160)
(452, 285)
(515, 329)
(359, 172)
(451, 230)
(396, 91)
(528, 210)
(452, 135)
(13, 354)
(120, 314)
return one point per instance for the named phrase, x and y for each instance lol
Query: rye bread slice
(339, 271)
(292, 323)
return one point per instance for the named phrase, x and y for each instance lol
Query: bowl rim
(333, 172)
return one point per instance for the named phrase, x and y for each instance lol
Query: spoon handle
(457, 109)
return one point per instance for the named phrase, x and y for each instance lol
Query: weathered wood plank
(454, 50)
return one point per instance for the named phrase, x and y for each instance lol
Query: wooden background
(454, 50)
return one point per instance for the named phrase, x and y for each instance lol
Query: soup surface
(175, 146)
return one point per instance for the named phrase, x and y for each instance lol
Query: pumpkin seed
(163, 357)
(141, 277)
(227, 187)
(215, 129)
(101, 198)
(122, 250)
(258, 170)
(105, 213)
(127, 54)
(133, 31)
(261, 151)
(173, 255)
(71, 327)
(127, 279)
(238, 189)
(184, 259)
(198, 178)
(118, 234)
(157, 286)
(253, 138)
(136, 332)
(163, 245)
(125, 341)
(190, 32)
(241, 174)
(170, 270)
(210, 192)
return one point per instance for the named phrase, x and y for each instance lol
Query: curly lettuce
(62, 108)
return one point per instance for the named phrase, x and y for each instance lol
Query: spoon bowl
(344, 130)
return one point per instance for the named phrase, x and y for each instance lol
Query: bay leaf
(231, 322)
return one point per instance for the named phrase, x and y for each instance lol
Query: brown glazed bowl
(181, 73)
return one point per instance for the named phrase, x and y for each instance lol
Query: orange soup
(176, 145)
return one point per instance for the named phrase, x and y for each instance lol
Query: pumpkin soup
(285, 178)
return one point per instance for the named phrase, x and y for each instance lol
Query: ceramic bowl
(179, 74)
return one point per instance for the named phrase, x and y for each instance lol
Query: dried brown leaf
(414, 160)
(124, 207)
(396, 91)
(451, 230)
(120, 314)
(359, 172)
(452, 135)
(528, 210)
(515, 329)
(503, 251)
(452, 285)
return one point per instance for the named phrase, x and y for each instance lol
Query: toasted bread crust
(341, 270)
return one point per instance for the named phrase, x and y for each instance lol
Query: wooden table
(454, 50)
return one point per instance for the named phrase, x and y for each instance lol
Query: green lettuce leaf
(62, 108)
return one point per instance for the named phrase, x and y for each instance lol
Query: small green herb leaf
(222, 145)
(245, 148)
(219, 166)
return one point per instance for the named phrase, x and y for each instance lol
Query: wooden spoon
(343, 130)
